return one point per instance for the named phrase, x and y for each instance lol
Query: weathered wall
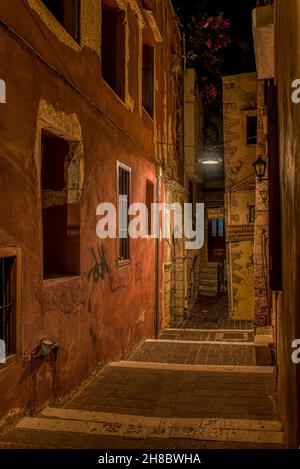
(288, 317)
(94, 319)
(174, 263)
(193, 124)
(239, 101)
(261, 228)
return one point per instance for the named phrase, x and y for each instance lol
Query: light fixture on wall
(264, 196)
(260, 166)
(209, 162)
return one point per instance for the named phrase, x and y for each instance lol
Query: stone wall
(175, 255)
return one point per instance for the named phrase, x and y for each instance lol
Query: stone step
(209, 281)
(234, 430)
(176, 391)
(208, 290)
(230, 335)
(164, 405)
(208, 271)
(76, 428)
(208, 293)
(208, 287)
(195, 353)
(207, 277)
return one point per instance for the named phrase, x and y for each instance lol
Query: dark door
(216, 239)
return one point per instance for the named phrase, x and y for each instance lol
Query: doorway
(216, 237)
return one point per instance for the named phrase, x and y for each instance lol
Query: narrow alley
(149, 230)
(191, 388)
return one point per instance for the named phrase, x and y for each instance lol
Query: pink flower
(208, 43)
(211, 91)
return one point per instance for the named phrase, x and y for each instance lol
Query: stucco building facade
(240, 130)
(94, 114)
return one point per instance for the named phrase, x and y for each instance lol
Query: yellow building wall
(242, 280)
(239, 103)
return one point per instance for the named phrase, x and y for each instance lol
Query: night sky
(239, 57)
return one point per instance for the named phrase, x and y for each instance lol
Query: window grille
(8, 303)
(124, 195)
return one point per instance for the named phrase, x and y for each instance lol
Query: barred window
(124, 199)
(149, 202)
(8, 294)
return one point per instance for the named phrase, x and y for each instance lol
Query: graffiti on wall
(100, 268)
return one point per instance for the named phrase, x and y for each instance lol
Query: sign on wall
(238, 233)
(2, 92)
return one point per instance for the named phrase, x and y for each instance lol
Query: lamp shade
(260, 166)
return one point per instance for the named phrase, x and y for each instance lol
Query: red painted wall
(94, 322)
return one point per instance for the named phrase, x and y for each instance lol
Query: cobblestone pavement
(210, 353)
(224, 335)
(189, 389)
(208, 312)
(211, 312)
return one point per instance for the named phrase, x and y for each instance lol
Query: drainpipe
(157, 254)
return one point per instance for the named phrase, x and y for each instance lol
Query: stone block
(263, 344)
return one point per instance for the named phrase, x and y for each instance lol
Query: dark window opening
(178, 130)
(8, 294)
(148, 4)
(191, 197)
(113, 49)
(149, 202)
(251, 215)
(124, 194)
(251, 130)
(148, 79)
(61, 225)
(67, 12)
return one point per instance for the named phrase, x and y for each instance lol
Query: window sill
(121, 100)
(124, 263)
(50, 280)
(147, 115)
(55, 26)
(10, 361)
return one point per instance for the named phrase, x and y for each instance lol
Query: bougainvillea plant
(206, 37)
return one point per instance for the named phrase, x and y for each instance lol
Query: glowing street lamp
(209, 162)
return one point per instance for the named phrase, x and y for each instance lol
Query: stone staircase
(188, 389)
(208, 282)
